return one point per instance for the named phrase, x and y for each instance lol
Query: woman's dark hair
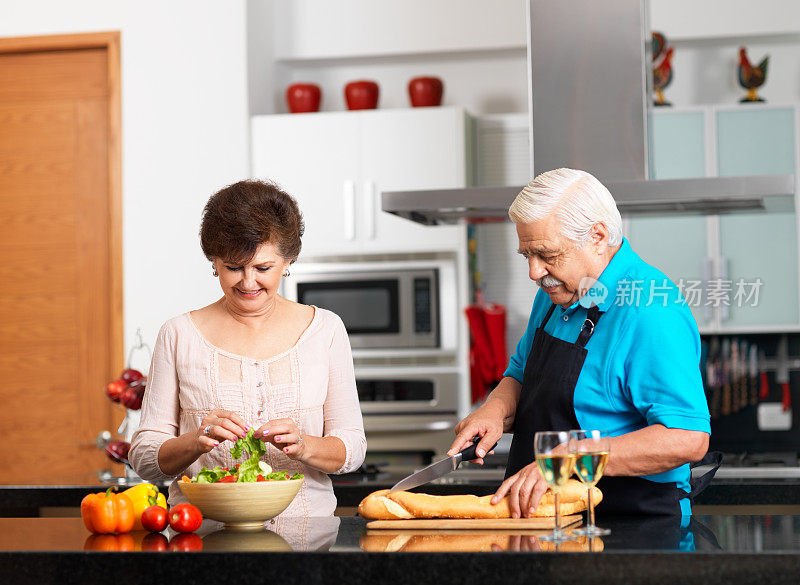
(243, 216)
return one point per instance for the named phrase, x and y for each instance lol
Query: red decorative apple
(425, 91)
(115, 389)
(303, 97)
(132, 396)
(117, 451)
(361, 95)
(131, 375)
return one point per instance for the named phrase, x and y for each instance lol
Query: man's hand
(524, 490)
(484, 423)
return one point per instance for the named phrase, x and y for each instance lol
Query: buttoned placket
(260, 386)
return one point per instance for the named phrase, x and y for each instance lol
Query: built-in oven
(410, 413)
(384, 305)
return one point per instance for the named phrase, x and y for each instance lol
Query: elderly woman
(594, 357)
(252, 359)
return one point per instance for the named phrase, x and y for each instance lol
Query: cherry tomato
(185, 518)
(259, 477)
(155, 541)
(229, 479)
(185, 542)
(154, 518)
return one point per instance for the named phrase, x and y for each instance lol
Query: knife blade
(438, 469)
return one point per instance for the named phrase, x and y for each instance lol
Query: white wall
(184, 133)
(477, 48)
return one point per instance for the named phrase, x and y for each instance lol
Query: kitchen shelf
(406, 57)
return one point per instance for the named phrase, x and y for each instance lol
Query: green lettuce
(248, 470)
(255, 448)
(206, 475)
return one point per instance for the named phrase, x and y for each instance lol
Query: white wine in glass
(556, 464)
(591, 449)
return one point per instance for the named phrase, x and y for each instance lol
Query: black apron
(546, 404)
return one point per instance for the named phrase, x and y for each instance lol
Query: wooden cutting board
(473, 523)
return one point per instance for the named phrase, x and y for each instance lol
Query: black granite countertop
(25, 500)
(706, 550)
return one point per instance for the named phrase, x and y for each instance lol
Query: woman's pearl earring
(287, 273)
(214, 270)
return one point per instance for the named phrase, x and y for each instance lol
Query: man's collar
(606, 286)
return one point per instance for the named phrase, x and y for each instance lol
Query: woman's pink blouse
(312, 383)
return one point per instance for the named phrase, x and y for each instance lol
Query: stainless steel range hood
(588, 74)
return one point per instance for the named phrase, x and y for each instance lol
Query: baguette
(401, 505)
(410, 541)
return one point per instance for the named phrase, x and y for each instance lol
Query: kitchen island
(28, 501)
(707, 550)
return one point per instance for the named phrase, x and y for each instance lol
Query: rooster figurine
(751, 78)
(662, 76)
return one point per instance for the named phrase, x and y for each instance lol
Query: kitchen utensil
(712, 376)
(753, 365)
(726, 376)
(782, 372)
(734, 375)
(744, 379)
(473, 523)
(763, 390)
(438, 469)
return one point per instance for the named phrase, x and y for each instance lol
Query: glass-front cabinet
(676, 245)
(758, 250)
(746, 264)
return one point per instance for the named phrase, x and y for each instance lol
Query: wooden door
(60, 255)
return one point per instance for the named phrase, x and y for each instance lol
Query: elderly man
(596, 357)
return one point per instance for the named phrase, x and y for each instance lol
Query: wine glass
(590, 449)
(556, 464)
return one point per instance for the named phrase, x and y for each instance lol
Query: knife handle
(469, 454)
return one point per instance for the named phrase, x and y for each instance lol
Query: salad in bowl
(253, 492)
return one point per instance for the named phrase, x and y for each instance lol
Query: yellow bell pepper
(143, 496)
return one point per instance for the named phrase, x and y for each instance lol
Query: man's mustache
(548, 281)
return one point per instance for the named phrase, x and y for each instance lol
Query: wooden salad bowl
(244, 505)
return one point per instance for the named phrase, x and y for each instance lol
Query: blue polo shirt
(643, 362)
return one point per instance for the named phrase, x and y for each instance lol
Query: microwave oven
(384, 305)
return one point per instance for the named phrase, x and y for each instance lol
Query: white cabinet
(337, 164)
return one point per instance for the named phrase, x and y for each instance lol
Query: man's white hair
(577, 198)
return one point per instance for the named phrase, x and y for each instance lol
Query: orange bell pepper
(106, 513)
(110, 543)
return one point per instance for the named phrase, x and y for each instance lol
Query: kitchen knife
(782, 372)
(438, 469)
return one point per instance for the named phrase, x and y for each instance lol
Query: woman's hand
(284, 435)
(483, 423)
(524, 490)
(217, 426)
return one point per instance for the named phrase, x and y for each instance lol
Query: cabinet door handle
(349, 209)
(370, 209)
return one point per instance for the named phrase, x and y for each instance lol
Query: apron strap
(588, 326)
(713, 458)
(547, 316)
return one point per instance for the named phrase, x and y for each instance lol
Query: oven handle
(409, 426)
